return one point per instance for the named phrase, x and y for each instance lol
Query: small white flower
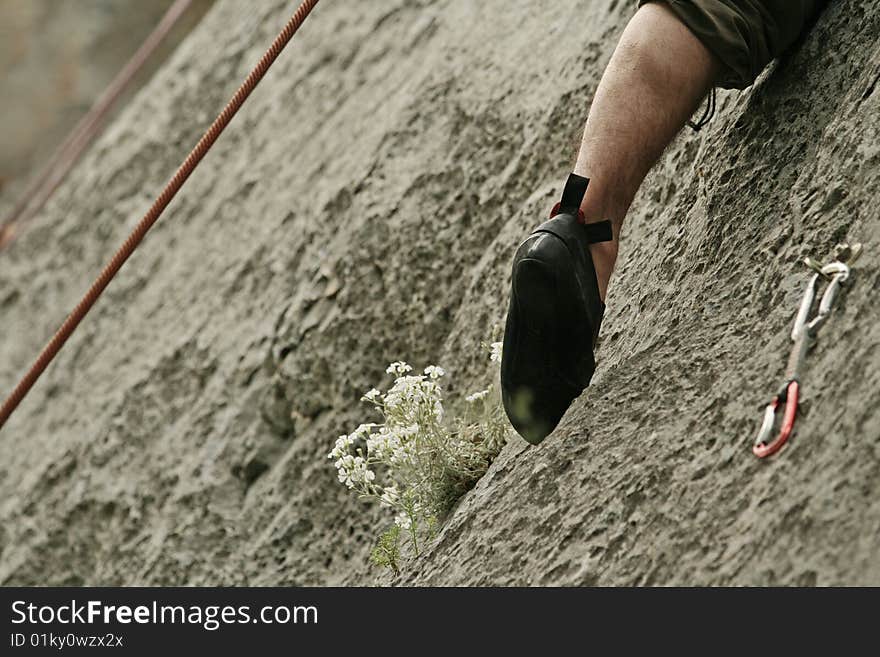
(362, 432)
(403, 521)
(495, 352)
(371, 396)
(389, 496)
(398, 367)
(434, 371)
(477, 396)
(343, 443)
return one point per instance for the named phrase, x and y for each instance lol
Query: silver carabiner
(839, 273)
(802, 334)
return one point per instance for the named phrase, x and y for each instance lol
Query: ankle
(606, 201)
(604, 256)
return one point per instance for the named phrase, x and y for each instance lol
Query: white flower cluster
(391, 445)
(477, 396)
(423, 458)
(352, 469)
(414, 399)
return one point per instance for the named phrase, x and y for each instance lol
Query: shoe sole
(537, 399)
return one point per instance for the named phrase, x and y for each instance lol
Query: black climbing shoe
(554, 317)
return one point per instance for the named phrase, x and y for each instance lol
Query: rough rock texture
(363, 208)
(58, 56)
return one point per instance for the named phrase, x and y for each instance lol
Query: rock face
(363, 208)
(57, 57)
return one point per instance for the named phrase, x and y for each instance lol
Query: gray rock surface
(56, 59)
(363, 208)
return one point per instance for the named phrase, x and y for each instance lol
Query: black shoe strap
(599, 231)
(572, 196)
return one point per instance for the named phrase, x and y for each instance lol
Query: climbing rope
(171, 188)
(803, 333)
(65, 156)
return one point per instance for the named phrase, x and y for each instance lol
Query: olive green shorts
(744, 34)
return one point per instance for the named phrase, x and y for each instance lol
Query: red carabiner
(788, 398)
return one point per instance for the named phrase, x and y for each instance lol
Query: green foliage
(386, 554)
